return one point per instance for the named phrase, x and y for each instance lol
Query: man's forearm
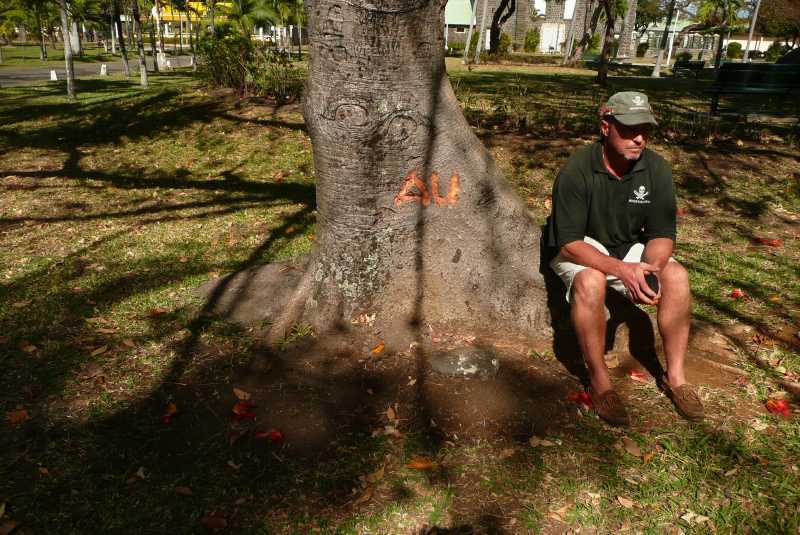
(580, 252)
(657, 252)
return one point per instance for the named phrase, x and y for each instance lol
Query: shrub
(775, 51)
(532, 40)
(228, 59)
(504, 47)
(734, 50)
(457, 46)
(684, 56)
(641, 49)
(224, 56)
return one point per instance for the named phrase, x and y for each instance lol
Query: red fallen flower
(779, 406)
(768, 241)
(169, 412)
(736, 293)
(637, 375)
(582, 398)
(241, 411)
(680, 212)
(273, 435)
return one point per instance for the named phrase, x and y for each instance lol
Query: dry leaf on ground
(365, 496)
(625, 502)
(639, 376)
(17, 416)
(420, 463)
(378, 348)
(631, 447)
(214, 522)
(185, 491)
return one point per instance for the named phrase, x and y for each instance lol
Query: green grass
(115, 208)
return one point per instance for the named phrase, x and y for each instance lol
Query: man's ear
(604, 126)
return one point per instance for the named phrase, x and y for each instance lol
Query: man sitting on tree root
(613, 223)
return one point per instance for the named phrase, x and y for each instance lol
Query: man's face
(626, 141)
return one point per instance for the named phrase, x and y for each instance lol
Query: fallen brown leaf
(378, 348)
(391, 414)
(631, 447)
(17, 416)
(7, 526)
(129, 343)
(214, 522)
(420, 463)
(185, 491)
(365, 496)
(99, 351)
(625, 502)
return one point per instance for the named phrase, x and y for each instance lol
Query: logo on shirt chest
(639, 196)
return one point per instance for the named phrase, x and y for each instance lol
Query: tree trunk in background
(504, 11)
(608, 38)
(64, 12)
(42, 45)
(153, 47)
(481, 31)
(180, 31)
(118, 24)
(415, 221)
(211, 7)
(663, 43)
(626, 47)
(159, 28)
(587, 31)
(718, 55)
(137, 28)
(113, 35)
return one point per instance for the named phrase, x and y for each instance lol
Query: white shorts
(567, 270)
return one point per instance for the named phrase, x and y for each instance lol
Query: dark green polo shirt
(589, 201)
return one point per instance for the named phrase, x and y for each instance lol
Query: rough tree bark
(608, 37)
(588, 28)
(415, 222)
(663, 43)
(137, 28)
(122, 50)
(153, 48)
(63, 7)
(503, 12)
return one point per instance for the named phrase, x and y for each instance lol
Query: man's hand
(632, 276)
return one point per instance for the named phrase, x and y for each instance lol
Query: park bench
(688, 65)
(755, 79)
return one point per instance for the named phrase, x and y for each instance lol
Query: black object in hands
(652, 281)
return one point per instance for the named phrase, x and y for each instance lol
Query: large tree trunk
(588, 27)
(153, 46)
(118, 24)
(42, 45)
(415, 222)
(626, 47)
(503, 12)
(608, 37)
(64, 12)
(137, 28)
(663, 43)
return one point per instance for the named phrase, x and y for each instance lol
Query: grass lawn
(117, 401)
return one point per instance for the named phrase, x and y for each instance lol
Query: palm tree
(118, 23)
(248, 13)
(137, 28)
(64, 10)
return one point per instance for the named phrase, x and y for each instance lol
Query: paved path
(16, 76)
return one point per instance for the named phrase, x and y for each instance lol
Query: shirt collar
(598, 166)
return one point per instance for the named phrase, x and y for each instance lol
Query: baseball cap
(630, 108)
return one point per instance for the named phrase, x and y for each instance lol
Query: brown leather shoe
(686, 400)
(609, 407)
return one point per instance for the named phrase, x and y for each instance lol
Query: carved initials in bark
(413, 181)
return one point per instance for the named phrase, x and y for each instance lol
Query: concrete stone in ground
(468, 362)
(53, 76)
(103, 70)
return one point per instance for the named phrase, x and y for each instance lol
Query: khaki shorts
(567, 270)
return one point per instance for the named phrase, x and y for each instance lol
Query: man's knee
(674, 277)
(589, 287)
